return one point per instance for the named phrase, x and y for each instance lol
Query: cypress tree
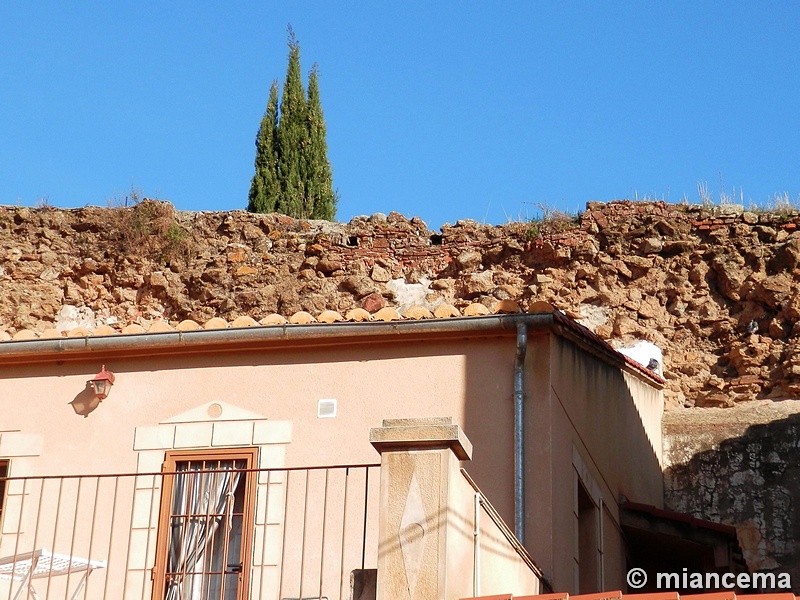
(293, 175)
(265, 187)
(292, 137)
(320, 199)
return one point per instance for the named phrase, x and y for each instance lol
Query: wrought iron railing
(210, 533)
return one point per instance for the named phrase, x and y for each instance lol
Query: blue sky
(445, 110)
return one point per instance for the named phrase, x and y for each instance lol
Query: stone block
(232, 433)
(145, 509)
(142, 549)
(15, 443)
(419, 434)
(272, 432)
(193, 435)
(154, 437)
(272, 457)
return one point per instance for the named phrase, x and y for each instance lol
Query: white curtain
(203, 501)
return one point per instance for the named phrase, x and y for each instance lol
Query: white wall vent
(326, 408)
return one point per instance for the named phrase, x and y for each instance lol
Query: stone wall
(741, 467)
(715, 288)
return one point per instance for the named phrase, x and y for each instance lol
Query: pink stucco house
(289, 460)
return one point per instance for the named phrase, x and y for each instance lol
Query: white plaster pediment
(215, 411)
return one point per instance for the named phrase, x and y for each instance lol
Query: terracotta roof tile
(444, 311)
(215, 323)
(187, 325)
(78, 332)
(418, 312)
(302, 318)
(273, 319)
(50, 334)
(329, 316)
(244, 321)
(358, 314)
(387, 314)
(163, 326)
(475, 309)
(617, 595)
(541, 307)
(24, 334)
(104, 330)
(777, 596)
(133, 329)
(682, 517)
(506, 306)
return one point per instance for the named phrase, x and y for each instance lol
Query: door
(205, 525)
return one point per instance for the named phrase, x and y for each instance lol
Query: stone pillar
(419, 470)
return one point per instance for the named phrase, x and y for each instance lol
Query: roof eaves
(593, 343)
(217, 333)
(32, 350)
(679, 517)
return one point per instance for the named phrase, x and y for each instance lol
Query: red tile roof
(683, 518)
(618, 595)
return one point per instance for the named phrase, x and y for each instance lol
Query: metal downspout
(519, 446)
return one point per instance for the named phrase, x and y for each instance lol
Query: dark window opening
(588, 559)
(3, 486)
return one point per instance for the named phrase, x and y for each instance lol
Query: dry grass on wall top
(149, 229)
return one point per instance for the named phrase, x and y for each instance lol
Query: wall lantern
(102, 383)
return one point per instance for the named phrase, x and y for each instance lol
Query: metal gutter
(314, 334)
(311, 334)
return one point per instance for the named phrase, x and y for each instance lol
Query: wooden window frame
(171, 459)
